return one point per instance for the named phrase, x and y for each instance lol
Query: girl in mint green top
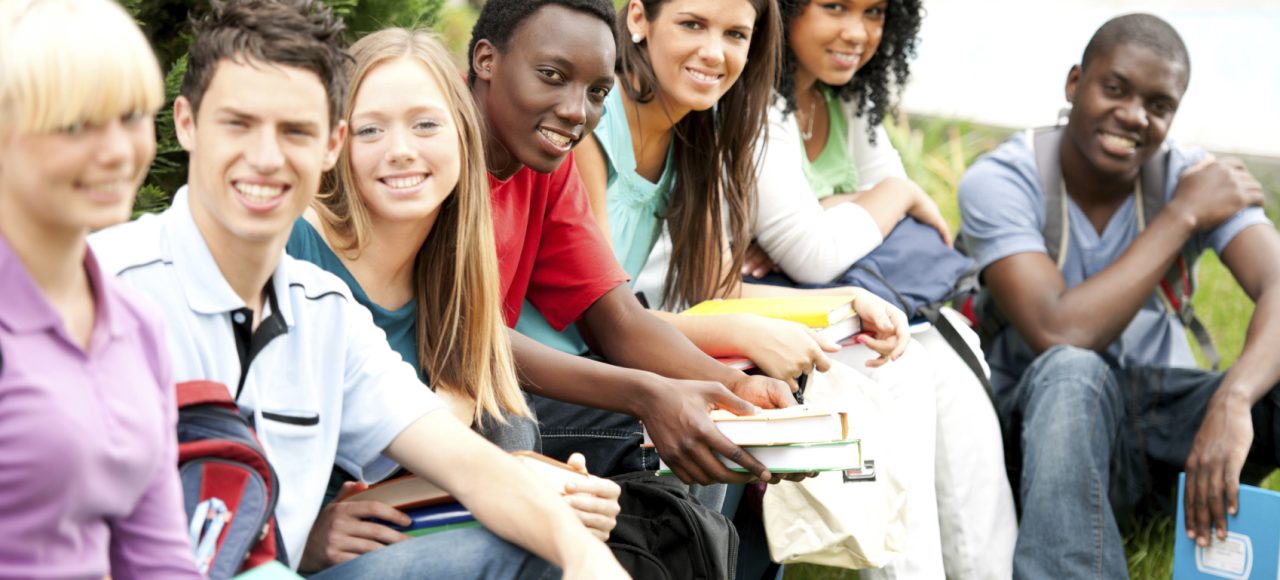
(636, 205)
(682, 132)
(834, 170)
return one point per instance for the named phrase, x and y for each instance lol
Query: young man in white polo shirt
(259, 115)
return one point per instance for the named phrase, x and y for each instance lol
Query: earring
(636, 38)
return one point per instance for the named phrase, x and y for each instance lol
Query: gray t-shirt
(1003, 213)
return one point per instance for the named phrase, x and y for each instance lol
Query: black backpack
(1175, 288)
(663, 533)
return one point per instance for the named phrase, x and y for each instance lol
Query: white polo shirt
(320, 374)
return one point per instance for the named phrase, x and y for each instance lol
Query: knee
(1066, 383)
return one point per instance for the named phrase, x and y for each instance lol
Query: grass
(936, 153)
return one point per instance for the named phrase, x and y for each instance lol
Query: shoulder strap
(1179, 282)
(1045, 143)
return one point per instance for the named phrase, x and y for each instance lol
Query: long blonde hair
(462, 340)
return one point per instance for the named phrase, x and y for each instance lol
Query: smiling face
(697, 48)
(405, 154)
(1122, 107)
(832, 39)
(78, 179)
(546, 89)
(258, 145)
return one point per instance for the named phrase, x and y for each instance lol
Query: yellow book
(811, 311)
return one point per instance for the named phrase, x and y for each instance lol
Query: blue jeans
(610, 441)
(1095, 439)
(466, 553)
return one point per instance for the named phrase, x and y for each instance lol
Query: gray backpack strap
(1179, 282)
(1045, 143)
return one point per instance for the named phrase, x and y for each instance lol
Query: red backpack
(229, 488)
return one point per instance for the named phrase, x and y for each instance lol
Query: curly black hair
(880, 80)
(499, 19)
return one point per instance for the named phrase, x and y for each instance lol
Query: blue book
(432, 516)
(1251, 549)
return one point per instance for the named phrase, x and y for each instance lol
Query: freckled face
(405, 151)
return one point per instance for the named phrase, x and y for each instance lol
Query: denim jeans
(610, 441)
(466, 553)
(1094, 440)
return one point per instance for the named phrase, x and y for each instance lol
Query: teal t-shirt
(635, 208)
(401, 324)
(834, 171)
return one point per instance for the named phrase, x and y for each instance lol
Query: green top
(401, 324)
(834, 171)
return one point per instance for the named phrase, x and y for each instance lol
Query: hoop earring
(636, 38)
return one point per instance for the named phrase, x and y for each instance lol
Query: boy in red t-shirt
(539, 72)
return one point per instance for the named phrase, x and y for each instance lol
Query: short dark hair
(499, 20)
(1143, 30)
(876, 84)
(298, 33)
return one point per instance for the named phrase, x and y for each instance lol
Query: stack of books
(433, 510)
(798, 439)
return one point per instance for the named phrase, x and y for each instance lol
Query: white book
(798, 424)
(798, 458)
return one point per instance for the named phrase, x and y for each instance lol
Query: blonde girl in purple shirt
(88, 485)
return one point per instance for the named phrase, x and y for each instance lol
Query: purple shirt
(88, 447)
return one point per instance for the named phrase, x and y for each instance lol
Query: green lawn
(936, 152)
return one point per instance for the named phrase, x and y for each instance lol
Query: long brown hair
(715, 159)
(462, 340)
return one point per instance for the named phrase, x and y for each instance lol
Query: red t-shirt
(550, 249)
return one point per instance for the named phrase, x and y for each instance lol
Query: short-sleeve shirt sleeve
(1001, 207)
(565, 264)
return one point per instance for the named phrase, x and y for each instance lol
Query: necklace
(807, 133)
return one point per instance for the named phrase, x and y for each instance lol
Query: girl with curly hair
(831, 189)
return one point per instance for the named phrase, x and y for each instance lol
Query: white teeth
(1118, 141)
(706, 78)
(555, 138)
(847, 57)
(109, 186)
(259, 193)
(404, 182)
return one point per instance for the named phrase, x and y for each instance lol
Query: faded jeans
(465, 553)
(1096, 439)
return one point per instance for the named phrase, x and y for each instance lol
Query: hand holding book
(885, 327)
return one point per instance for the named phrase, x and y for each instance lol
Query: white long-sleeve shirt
(810, 244)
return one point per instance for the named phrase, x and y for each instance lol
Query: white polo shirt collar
(203, 284)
